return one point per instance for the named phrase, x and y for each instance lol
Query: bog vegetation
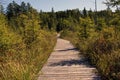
(24, 46)
(27, 37)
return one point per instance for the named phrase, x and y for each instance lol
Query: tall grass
(21, 61)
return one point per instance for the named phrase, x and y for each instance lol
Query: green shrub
(101, 48)
(22, 56)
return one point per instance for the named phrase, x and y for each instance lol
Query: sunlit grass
(22, 63)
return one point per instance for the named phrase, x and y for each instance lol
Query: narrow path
(65, 63)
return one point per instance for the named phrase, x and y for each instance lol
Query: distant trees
(56, 20)
(1, 9)
(14, 10)
(85, 12)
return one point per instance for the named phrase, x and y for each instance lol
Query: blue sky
(58, 5)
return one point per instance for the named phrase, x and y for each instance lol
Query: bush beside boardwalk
(102, 50)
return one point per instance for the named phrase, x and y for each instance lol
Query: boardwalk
(65, 63)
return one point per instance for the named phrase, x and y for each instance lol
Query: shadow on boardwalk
(72, 62)
(69, 49)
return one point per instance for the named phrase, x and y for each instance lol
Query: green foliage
(27, 39)
(24, 46)
(22, 62)
(60, 20)
(100, 44)
(86, 23)
(100, 24)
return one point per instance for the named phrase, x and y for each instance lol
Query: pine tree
(23, 8)
(84, 12)
(86, 24)
(28, 7)
(1, 9)
(13, 10)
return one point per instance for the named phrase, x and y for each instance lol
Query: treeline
(24, 46)
(63, 19)
(68, 19)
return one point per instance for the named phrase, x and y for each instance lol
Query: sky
(60, 5)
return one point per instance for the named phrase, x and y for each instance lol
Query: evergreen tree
(28, 7)
(86, 24)
(13, 10)
(100, 24)
(1, 9)
(84, 12)
(23, 7)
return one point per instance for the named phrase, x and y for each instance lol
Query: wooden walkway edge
(65, 63)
